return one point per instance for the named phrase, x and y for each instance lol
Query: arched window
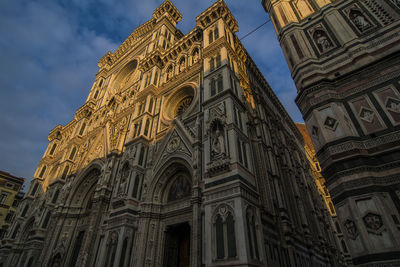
(123, 252)
(224, 233)
(245, 155)
(42, 171)
(15, 232)
(151, 105)
(220, 83)
(155, 80)
(219, 237)
(216, 33)
(252, 234)
(53, 148)
(212, 64)
(65, 172)
(218, 60)
(72, 154)
(146, 127)
(55, 196)
(96, 94)
(25, 210)
(135, 186)
(82, 128)
(34, 189)
(141, 156)
(210, 37)
(212, 87)
(46, 220)
(101, 83)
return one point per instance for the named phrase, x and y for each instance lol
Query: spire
(167, 7)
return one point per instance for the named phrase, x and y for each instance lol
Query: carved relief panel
(389, 99)
(366, 115)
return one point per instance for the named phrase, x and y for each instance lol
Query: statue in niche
(196, 55)
(217, 141)
(107, 171)
(322, 41)
(169, 73)
(124, 180)
(182, 65)
(359, 20)
(180, 188)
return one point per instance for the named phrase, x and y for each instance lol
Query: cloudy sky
(48, 60)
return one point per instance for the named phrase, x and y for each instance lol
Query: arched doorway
(176, 215)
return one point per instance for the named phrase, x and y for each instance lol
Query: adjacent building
(344, 57)
(10, 197)
(182, 155)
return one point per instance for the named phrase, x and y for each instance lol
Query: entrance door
(177, 246)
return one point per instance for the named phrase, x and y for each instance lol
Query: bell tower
(344, 57)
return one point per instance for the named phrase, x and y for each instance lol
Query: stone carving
(373, 222)
(107, 171)
(330, 123)
(217, 140)
(393, 104)
(169, 73)
(359, 20)
(124, 180)
(196, 55)
(182, 64)
(322, 40)
(173, 144)
(351, 229)
(366, 114)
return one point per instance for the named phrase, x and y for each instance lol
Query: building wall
(344, 59)
(181, 153)
(10, 196)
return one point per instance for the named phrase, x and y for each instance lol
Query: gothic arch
(84, 183)
(124, 76)
(162, 181)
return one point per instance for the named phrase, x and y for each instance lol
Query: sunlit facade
(182, 155)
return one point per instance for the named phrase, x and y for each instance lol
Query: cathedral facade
(344, 56)
(182, 155)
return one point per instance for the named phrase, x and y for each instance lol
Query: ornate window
(42, 171)
(136, 187)
(96, 94)
(224, 234)
(220, 83)
(212, 87)
(65, 172)
(55, 196)
(35, 188)
(15, 232)
(210, 36)
(252, 234)
(146, 127)
(82, 128)
(53, 148)
(25, 210)
(151, 105)
(216, 33)
(72, 154)
(141, 156)
(46, 220)
(218, 60)
(183, 105)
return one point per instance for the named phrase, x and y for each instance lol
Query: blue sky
(48, 60)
